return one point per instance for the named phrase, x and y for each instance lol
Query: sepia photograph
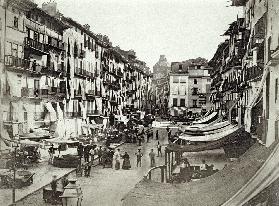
(139, 102)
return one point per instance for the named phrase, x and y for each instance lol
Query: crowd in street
(112, 158)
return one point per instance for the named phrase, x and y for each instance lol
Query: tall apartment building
(253, 42)
(33, 58)
(189, 84)
(55, 70)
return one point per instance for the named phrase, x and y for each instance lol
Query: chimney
(87, 27)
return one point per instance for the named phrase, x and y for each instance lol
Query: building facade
(189, 84)
(160, 85)
(55, 71)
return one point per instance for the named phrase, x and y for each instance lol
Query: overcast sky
(180, 29)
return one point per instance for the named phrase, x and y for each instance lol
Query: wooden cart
(23, 178)
(51, 196)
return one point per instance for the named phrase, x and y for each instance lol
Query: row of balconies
(79, 54)
(32, 67)
(42, 47)
(40, 93)
(85, 74)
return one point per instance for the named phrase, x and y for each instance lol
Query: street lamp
(15, 146)
(72, 195)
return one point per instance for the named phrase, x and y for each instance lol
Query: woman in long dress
(126, 162)
(117, 159)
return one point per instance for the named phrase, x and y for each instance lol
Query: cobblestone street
(106, 187)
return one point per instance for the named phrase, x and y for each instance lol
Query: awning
(4, 136)
(61, 140)
(207, 128)
(215, 135)
(253, 101)
(52, 112)
(207, 118)
(28, 142)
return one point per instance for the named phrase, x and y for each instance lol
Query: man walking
(157, 134)
(100, 154)
(152, 158)
(159, 149)
(117, 157)
(51, 152)
(139, 155)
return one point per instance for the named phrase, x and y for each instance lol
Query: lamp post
(15, 146)
(72, 195)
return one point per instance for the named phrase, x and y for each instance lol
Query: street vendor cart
(51, 196)
(66, 161)
(23, 178)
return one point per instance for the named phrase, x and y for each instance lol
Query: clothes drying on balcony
(52, 112)
(83, 110)
(59, 112)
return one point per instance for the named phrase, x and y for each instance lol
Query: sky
(179, 29)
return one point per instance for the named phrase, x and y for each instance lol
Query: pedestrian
(87, 170)
(53, 183)
(117, 157)
(151, 132)
(148, 135)
(92, 153)
(139, 155)
(157, 134)
(80, 150)
(126, 162)
(168, 129)
(185, 171)
(64, 181)
(159, 149)
(152, 158)
(51, 152)
(100, 154)
(86, 153)
(59, 149)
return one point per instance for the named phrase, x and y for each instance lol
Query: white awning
(213, 136)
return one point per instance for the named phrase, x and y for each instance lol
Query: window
(194, 103)
(25, 116)
(175, 79)
(180, 67)
(174, 102)
(276, 89)
(195, 81)
(182, 102)
(36, 84)
(183, 80)
(16, 22)
(195, 91)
